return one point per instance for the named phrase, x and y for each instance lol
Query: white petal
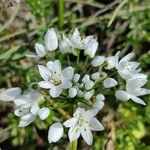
(76, 39)
(44, 113)
(127, 57)
(98, 60)
(66, 84)
(90, 46)
(70, 122)
(64, 45)
(45, 84)
(80, 93)
(40, 50)
(10, 94)
(50, 66)
(68, 73)
(95, 76)
(27, 117)
(51, 41)
(24, 123)
(138, 100)
(21, 100)
(55, 91)
(87, 135)
(57, 66)
(55, 132)
(88, 95)
(85, 78)
(98, 105)
(32, 55)
(73, 92)
(76, 78)
(111, 62)
(109, 82)
(100, 97)
(44, 72)
(89, 114)
(142, 91)
(96, 125)
(74, 133)
(34, 109)
(122, 95)
(89, 85)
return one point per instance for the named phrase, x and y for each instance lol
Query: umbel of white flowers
(68, 83)
(26, 105)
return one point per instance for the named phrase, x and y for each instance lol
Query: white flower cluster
(86, 90)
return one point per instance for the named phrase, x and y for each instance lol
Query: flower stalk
(73, 145)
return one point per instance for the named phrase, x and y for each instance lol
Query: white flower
(55, 78)
(98, 60)
(27, 107)
(76, 39)
(55, 132)
(10, 94)
(134, 89)
(89, 85)
(109, 82)
(44, 113)
(40, 50)
(95, 76)
(82, 123)
(76, 77)
(112, 61)
(65, 45)
(127, 68)
(80, 93)
(85, 78)
(88, 95)
(90, 46)
(99, 103)
(73, 92)
(51, 41)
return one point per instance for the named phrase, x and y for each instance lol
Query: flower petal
(44, 72)
(55, 91)
(74, 133)
(10, 94)
(73, 92)
(76, 77)
(70, 122)
(122, 95)
(127, 57)
(55, 132)
(68, 73)
(45, 84)
(44, 113)
(98, 60)
(98, 105)
(138, 100)
(95, 76)
(89, 85)
(51, 41)
(87, 135)
(40, 50)
(95, 125)
(109, 82)
(34, 109)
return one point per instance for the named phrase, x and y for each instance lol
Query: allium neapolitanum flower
(82, 123)
(134, 89)
(50, 44)
(26, 105)
(81, 86)
(55, 78)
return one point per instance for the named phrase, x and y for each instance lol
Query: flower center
(56, 79)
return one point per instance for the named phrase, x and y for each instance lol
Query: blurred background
(119, 25)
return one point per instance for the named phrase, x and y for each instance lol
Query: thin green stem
(85, 63)
(73, 145)
(68, 58)
(78, 58)
(61, 13)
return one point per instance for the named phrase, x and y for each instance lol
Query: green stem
(73, 145)
(87, 58)
(61, 13)
(78, 58)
